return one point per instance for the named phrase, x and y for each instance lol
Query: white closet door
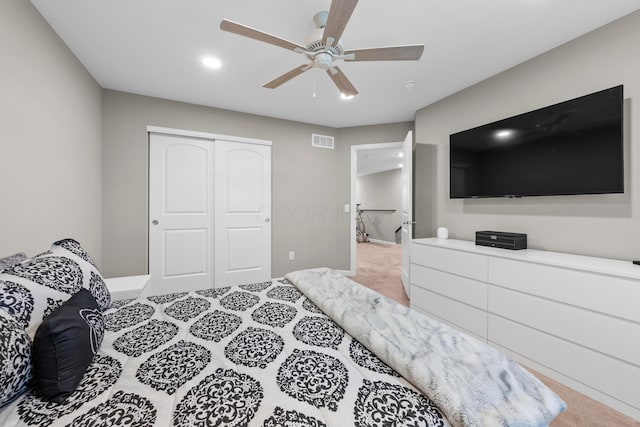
(243, 213)
(180, 213)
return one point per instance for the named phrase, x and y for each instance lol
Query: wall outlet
(347, 208)
(292, 255)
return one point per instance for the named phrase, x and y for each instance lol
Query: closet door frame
(212, 138)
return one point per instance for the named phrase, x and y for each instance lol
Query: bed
(293, 351)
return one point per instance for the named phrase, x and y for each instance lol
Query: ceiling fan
(323, 46)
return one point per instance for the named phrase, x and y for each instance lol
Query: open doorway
(377, 197)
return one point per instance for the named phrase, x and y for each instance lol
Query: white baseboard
(382, 242)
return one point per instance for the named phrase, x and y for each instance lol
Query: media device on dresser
(501, 239)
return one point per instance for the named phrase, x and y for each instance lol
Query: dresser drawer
(454, 312)
(465, 264)
(616, 296)
(459, 288)
(599, 371)
(600, 332)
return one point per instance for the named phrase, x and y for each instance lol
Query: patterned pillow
(65, 344)
(93, 280)
(12, 260)
(15, 359)
(31, 290)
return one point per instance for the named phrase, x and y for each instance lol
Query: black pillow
(64, 345)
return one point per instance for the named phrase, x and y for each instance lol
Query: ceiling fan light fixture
(323, 60)
(346, 97)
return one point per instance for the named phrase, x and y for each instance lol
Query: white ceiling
(154, 47)
(378, 160)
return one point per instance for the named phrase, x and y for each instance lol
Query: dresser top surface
(579, 262)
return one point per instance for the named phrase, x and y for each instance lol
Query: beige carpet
(379, 268)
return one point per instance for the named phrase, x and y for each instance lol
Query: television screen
(574, 147)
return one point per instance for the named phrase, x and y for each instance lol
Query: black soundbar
(500, 239)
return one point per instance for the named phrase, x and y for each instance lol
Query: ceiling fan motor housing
(313, 43)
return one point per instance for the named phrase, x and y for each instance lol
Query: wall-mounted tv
(574, 147)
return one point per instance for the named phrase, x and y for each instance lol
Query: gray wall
(598, 225)
(50, 138)
(310, 185)
(424, 190)
(381, 190)
(304, 180)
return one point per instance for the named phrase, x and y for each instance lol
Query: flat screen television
(574, 147)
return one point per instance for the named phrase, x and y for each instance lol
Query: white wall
(381, 190)
(598, 225)
(50, 138)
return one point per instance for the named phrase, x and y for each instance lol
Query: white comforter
(257, 355)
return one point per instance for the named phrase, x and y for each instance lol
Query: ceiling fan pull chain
(314, 82)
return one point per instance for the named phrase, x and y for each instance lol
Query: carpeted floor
(379, 267)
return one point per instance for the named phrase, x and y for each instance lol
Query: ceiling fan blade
(287, 76)
(339, 15)
(252, 33)
(390, 53)
(343, 83)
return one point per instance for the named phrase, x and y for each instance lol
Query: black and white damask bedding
(259, 355)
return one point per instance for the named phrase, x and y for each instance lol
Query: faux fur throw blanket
(472, 383)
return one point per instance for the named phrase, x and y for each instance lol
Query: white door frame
(407, 212)
(354, 177)
(206, 135)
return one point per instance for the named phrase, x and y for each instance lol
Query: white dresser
(573, 318)
(127, 287)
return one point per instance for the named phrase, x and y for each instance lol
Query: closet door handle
(267, 220)
(154, 222)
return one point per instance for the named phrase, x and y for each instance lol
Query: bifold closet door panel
(180, 213)
(242, 213)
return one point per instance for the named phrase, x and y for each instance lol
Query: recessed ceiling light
(504, 134)
(211, 62)
(400, 154)
(345, 96)
(400, 165)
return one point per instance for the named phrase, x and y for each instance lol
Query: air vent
(322, 141)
